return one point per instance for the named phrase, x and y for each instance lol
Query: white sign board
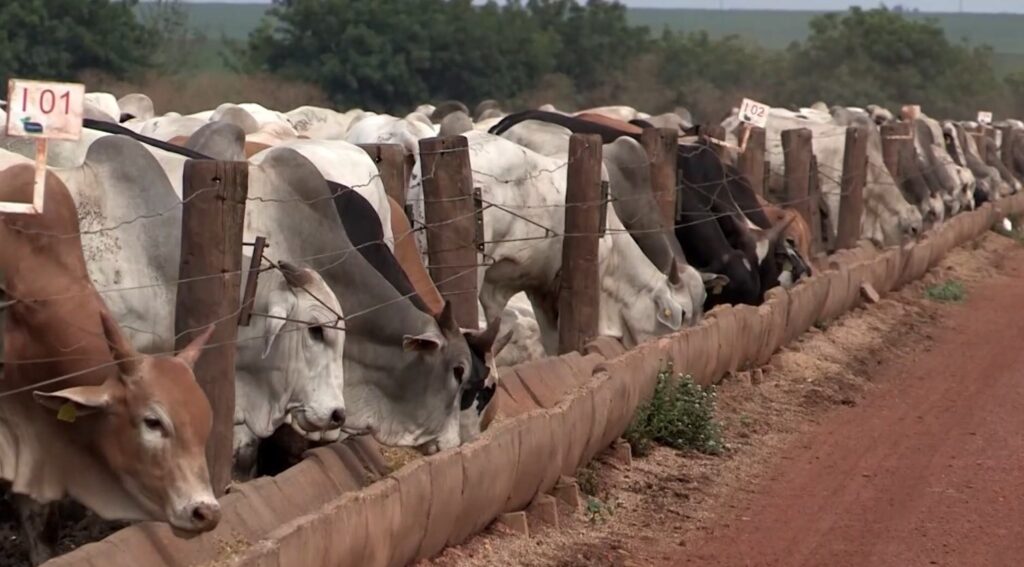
(910, 111)
(984, 117)
(40, 109)
(753, 112)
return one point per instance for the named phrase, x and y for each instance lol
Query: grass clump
(598, 511)
(588, 480)
(679, 415)
(949, 291)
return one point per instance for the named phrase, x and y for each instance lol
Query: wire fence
(545, 217)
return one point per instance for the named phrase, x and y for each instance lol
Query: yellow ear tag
(668, 312)
(67, 412)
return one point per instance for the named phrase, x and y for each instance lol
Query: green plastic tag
(67, 412)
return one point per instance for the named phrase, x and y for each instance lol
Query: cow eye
(317, 332)
(153, 424)
(460, 372)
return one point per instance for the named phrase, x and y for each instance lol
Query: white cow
(347, 164)
(320, 123)
(130, 219)
(625, 166)
(385, 129)
(888, 218)
(102, 106)
(637, 301)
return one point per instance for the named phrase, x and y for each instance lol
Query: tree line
(390, 55)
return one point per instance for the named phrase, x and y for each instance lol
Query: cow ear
(128, 360)
(274, 324)
(190, 354)
(77, 401)
(295, 276)
(426, 342)
(714, 282)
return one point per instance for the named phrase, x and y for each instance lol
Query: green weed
(949, 291)
(680, 415)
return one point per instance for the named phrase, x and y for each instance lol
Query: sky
(1016, 6)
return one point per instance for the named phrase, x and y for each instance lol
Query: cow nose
(205, 516)
(338, 417)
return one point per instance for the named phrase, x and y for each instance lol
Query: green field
(770, 29)
(776, 29)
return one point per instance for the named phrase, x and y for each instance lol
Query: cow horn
(446, 320)
(294, 275)
(673, 274)
(127, 358)
(484, 339)
(773, 233)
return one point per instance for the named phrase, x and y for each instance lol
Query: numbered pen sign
(40, 109)
(753, 112)
(984, 117)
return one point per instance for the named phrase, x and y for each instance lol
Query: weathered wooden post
(716, 133)
(895, 140)
(578, 308)
(661, 145)
(451, 223)
(390, 160)
(796, 148)
(751, 160)
(851, 199)
(209, 271)
(818, 239)
(1006, 146)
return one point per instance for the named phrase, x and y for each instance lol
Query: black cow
(714, 203)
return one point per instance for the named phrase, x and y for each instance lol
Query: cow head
(292, 370)
(475, 401)
(690, 288)
(150, 423)
(421, 413)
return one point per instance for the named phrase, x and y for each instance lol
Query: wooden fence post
(451, 223)
(895, 138)
(1006, 147)
(213, 212)
(578, 300)
(797, 151)
(751, 160)
(851, 200)
(818, 239)
(717, 132)
(390, 160)
(661, 145)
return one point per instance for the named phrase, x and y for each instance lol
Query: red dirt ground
(930, 473)
(893, 436)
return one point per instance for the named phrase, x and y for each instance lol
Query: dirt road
(892, 437)
(931, 472)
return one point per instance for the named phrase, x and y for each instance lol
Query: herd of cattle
(350, 335)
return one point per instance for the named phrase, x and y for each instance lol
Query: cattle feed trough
(542, 419)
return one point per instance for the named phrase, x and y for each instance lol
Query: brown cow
(81, 412)
(409, 258)
(797, 231)
(619, 125)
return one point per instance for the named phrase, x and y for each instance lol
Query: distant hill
(770, 29)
